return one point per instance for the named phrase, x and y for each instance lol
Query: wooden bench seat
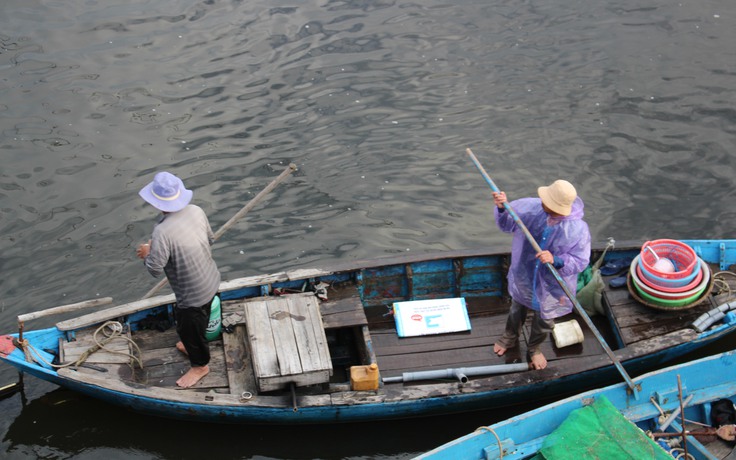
(343, 313)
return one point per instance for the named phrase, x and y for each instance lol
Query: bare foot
(498, 349)
(539, 361)
(193, 376)
(180, 347)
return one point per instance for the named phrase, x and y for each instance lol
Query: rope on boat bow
(116, 330)
(111, 330)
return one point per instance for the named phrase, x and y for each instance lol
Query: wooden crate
(287, 341)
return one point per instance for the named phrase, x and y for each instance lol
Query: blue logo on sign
(428, 320)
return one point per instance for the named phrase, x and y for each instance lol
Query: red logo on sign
(416, 317)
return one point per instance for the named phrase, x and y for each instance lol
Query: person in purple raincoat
(555, 220)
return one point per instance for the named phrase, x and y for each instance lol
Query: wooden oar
(557, 276)
(239, 215)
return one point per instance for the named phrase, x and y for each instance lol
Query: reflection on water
(91, 429)
(375, 102)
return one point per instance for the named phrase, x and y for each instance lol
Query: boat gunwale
(287, 276)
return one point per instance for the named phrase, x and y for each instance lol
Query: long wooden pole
(238, 215)
(64, 309)
(252, 203)
(557, 276)
(58, 310)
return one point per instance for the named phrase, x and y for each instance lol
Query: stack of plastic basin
(668, 274)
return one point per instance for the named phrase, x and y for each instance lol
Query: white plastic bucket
(567, 333)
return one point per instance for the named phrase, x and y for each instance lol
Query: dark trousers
(517, 316)
(191, 325)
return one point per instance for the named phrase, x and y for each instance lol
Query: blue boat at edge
(696, 385)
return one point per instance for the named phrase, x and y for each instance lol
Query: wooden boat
(289, 356)
(600, 416)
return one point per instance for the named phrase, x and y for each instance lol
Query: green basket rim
(634, 293)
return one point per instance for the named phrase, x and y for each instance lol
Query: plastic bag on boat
(599, 430)
(722, 412)
(584, 277)
(590, 296)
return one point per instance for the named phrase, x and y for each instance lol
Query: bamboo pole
(58, 310)
(256, 199)
(64, 309)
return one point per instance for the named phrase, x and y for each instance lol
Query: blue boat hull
(474, 275)
(365, 412)
(700, 382)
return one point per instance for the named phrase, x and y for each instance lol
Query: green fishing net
(599, 431)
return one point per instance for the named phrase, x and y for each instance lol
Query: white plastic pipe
(460, 373)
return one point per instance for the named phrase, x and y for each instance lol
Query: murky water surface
(375, 102)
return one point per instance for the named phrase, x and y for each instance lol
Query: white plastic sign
(433, 316)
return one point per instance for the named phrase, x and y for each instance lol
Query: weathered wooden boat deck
(232, 368)
(628, 322)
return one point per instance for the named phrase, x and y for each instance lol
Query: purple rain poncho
(567, 238)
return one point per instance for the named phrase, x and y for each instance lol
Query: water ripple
(375, 102)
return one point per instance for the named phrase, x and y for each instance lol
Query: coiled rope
(116, 330)
(722, 285)
(111, 331)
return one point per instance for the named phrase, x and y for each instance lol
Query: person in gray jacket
(180, 248)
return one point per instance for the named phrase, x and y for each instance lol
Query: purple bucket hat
(166, 193)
